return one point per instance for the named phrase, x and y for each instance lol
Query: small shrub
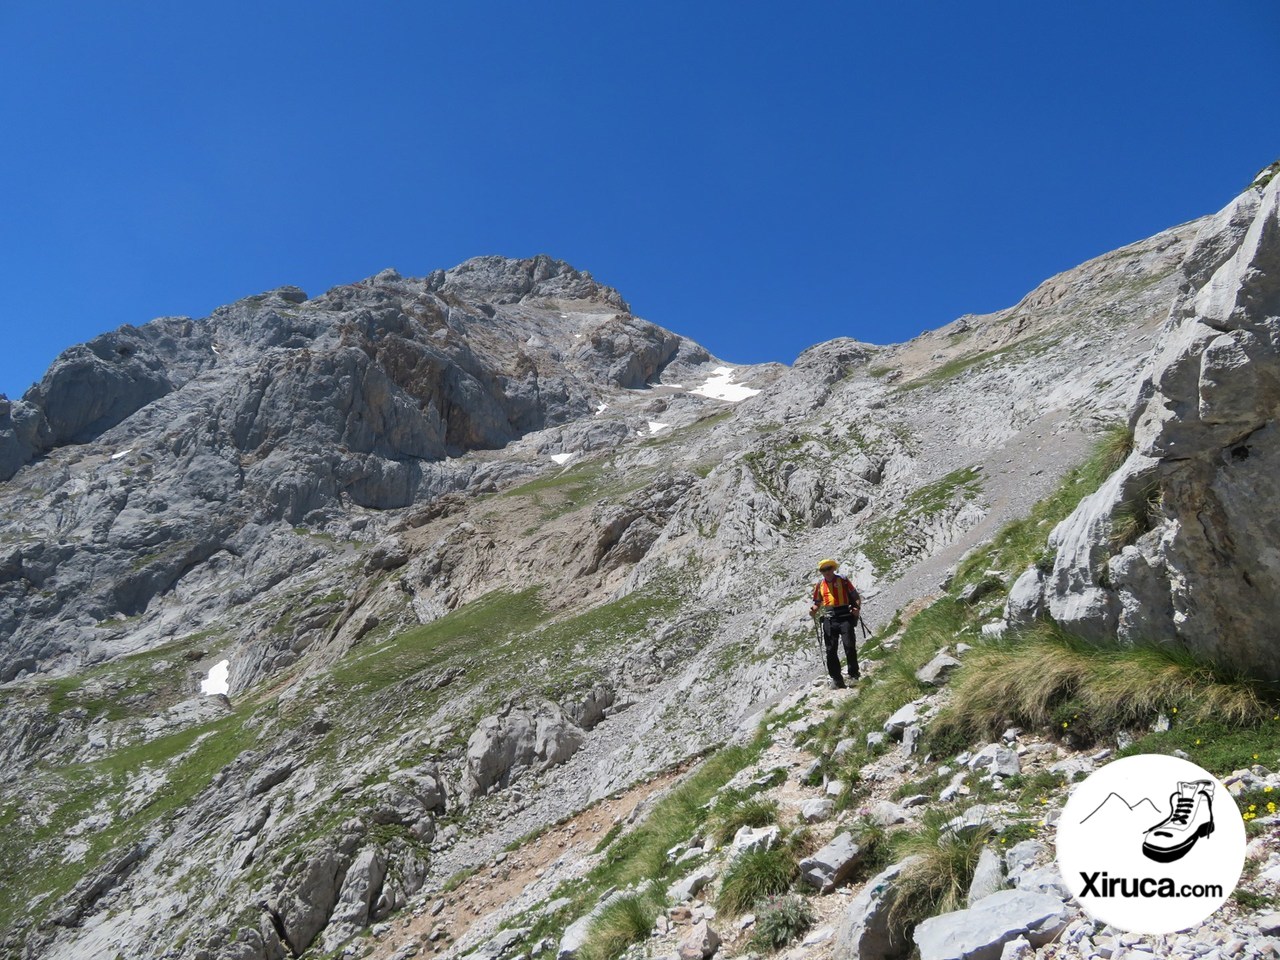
(755, 875)
(780, 920)
(1254, 901)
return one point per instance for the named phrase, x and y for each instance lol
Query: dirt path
(472, 910)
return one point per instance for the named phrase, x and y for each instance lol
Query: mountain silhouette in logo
(1117, 808)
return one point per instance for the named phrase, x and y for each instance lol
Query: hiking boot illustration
(1190, 818)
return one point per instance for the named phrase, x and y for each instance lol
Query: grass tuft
(623, 922)
(751, 812)
(937, 882)
(1113, 448)
(1136, 516)
(756, 875)
(1047, 678)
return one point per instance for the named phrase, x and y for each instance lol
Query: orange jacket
(839, 592)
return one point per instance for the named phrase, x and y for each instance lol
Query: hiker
(837, 606)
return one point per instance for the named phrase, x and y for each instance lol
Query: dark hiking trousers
(835, 630)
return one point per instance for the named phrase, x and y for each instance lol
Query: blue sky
(759, 177)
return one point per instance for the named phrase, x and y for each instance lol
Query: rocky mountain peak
(502, 280)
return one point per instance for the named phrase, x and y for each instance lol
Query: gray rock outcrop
(1175, 547)
(988, 876)
(831, 866)
(865, 930)
(178, 453)
(980, 932)
(517, 739)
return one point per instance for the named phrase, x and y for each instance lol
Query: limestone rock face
(865, 930)
(24, 432)
(176, 455)
(504, 281)
(980, 932)
(517, 739)
(1178, 546)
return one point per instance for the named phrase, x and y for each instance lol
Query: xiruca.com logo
(1151, 844)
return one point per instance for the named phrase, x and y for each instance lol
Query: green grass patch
(642, 854)
(579, 485)
(190, 758)
(151, 679)
(1218, 746)
(625, 921)
(471, 630)
(571, 641)
(755, 875)
(1044, 678)
(1254, 901)
(953, 368)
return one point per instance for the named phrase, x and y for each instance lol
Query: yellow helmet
(824, 564)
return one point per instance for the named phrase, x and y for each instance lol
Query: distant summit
(499, 280)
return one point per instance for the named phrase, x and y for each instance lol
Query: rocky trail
(897, 790)
(470, 911)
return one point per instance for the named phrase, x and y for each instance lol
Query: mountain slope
(440, 638)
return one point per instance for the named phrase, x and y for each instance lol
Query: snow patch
(122, 454)
(562, 458)
(602, 408)
(216, 682)
(720, 386)
(655, 427)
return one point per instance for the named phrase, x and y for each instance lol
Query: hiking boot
(1190, 818)
(838, 684)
